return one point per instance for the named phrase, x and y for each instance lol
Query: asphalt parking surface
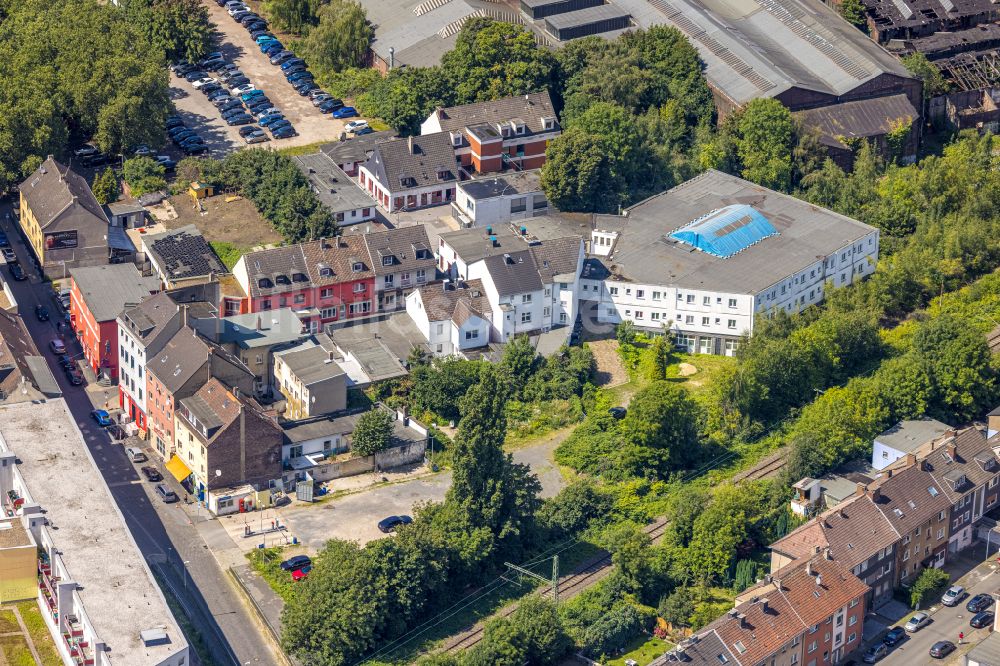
(237, 47)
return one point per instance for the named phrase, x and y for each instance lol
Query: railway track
(764, 469)
(585, 575)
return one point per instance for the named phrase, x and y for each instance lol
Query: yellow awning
(178, 469)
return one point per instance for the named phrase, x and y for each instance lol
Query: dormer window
(456, 139)
(548, 123)
(444, 174)
(264, 283)
(326, 271)
(282, 279)
(357, 267)
(505, 131)
(299, 277)
(519, 127)
(387, 261)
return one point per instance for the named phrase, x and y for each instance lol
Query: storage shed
(539, 9)
(585, 22)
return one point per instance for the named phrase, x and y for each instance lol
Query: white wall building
(454, 317)
(903, 438)
(709, 255)
(499, 200)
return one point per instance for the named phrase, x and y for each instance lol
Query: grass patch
(39, 632)
(228, 252)
(267, 563)
(15, 651)
(378, 125)
(8, 622)
(527, 422)
(302, 150)
(643, 649)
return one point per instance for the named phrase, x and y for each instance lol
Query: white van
(135, 455)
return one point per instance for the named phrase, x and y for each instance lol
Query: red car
(301, 574)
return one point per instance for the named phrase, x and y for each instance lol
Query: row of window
(688, 299)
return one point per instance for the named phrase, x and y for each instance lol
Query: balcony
(79, 649)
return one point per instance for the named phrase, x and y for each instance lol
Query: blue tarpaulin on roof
(726, 231)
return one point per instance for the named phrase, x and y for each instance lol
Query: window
(359, 288)
(259, 358)
(328, 313)
(706, 321)
(655, 316)
(360, 308)
(656, 295)
(638, 314)
(299, 298)
(613, 291)
(732, 302)
(357, 267)
(525, 317)
(812, 647)
(472, 335)
(690, 299)
(546, 311)
(940, 534)
(850, 639)
(854, 602)
(518, 205)
(389, 280)
(640, 293)
(525, 298)
(853, 621)
(813, 629)
(265, 304)
(689, 319)
(325, 293)
(440, 329)
(730, 323)
(706, 300)
(386, 261)
(421, 275)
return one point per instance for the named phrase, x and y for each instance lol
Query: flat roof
(116, 586)
(343, 424)
(585, 16)
(761, 48)
(907, 436)
(334, 188)
(645, 253)
(260, 329)
(109, 288)
(513, 183)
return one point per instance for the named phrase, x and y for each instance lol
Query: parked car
(284, 133)
(982, 619)
(166, 494)
(240, 80)
(142, 150)
(979, 603)
(211, 88)
(194, 149)
(181, 137)
(269, 119)
(317, 97)
(74, 377)
(345, 112)
(174, 66)
(248, 95)
(917, 622)
(194, 75)
(953, 595)
(331, 106)
(296, 562)
(301, 67)
(42, 313)
(363, 131)
(17, 272)
(66, 362)
(135, 455)
(260, 39)
(267, 111)
(894, 636)
(392, 522)
(214, 55)
(102, 417)
(355, 125)
(271, 46)
(281, 56)
(219, 93)
(255, 27)
(256, 137)
(941, 649)
(173, 122)
(279, 124)
(4, 241)
(300, 77)
(303, 87)
(301, 574)
(241, 13)
(242, 89)
(241, 119)
(166, 162)
(85, 151)
(151, 473)
(229, 67)
(249, 18)
(617, 412)
(875, 653)
(260, 33)
(291, 62)
(233, 113)
(8, 255)
(213, 65)
(249, 129)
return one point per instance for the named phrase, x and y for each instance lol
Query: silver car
(917, 622)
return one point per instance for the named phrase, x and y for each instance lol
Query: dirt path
(609, 370)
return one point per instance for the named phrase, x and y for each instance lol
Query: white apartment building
(499, 200)
(92, 584)
(454, 317)
(707, 256)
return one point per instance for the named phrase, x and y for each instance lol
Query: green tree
(934, 82)
(518, 364)
(929, 580)
(578, 174)
(439, 387)
(678, 608)
(660, 352)
(372, 433)
(493, 59)
(662, 422)
(854, 12)
(178, 28)
(490, 490)
(764, 144)
(293, 15)
(340, 39)
(105, 186)
(532, 634)
(961, 368)
(143, 175)
(625, 332)
(405, 96)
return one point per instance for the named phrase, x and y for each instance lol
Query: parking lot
(237, 47)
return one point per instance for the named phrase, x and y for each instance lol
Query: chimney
(768, 578)
(743, 620)
(184, 316)
(409, 144)
(826, 553)
(819, 580)
(874, 494)
(392, 57)
(952, 449)
(911, 459)
(809, 568)
(860, 489)
(888, 472)
(260, 325)
(763, 604)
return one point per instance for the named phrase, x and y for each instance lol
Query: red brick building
(98, 294)
(512, 132)
(808, 614)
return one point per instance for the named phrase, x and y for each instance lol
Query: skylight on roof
(726, 231)
(933, 491)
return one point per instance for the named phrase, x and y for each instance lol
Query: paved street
(174, 544)
(947, 623)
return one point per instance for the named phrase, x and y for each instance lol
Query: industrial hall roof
(761, 48)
